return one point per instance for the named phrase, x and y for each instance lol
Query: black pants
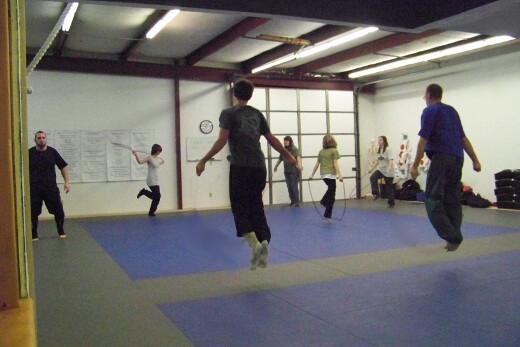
(155, 196)
(245, 192)
(329, 198)
(51, 197)
(389, 186)
(443, 192)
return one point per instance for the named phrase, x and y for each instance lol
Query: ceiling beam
(318, 35)
(364, 49)
(130, 68)
(183, 72)
(224, 39)
(134, 45)
(300, 83)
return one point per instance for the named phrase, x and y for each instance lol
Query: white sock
(256, 249)
(262, 263)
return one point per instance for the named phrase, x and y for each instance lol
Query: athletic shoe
(452, 247)
(262, 263)
(376, 197)
(256, 252)
(151, 214)
(35, 239)
(391, 205)
(295, 205)
(328, 220)
(63, 236)
(141, 193)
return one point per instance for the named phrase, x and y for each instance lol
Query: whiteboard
(197, 147)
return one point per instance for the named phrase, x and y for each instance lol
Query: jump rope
(126, 147)
(129, 148)
(344, 198)
(408, 240)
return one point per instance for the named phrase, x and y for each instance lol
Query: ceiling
(219, 39)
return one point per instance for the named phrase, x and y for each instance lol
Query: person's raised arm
(65, 174)
(468, 148)
(223, 137)
(278, 146)
(421, 145)
(139, 160)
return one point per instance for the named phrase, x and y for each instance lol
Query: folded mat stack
(507, 183)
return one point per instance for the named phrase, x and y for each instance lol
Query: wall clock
(206, 126)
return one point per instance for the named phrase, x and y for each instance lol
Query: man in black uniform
(42, 160)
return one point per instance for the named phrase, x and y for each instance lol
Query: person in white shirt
(385, 170)
(152, 180)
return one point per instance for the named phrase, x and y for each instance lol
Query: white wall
(71, 101)
(484, 92)
(200, 101)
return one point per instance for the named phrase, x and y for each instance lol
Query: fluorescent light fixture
(275, 62)
(319, 47)
(162, 23)
(335, 41)
(431, 56)
(67, 22)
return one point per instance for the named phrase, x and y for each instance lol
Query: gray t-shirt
(245, 124)
(153, 171)
(288, 167)
(383, 162)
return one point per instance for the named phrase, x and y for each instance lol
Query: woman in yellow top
(329, 171)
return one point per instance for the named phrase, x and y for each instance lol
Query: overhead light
(275, 62)
(71, 11)
(431, 56)
(167, 18)
(335, 41)
(319, 47)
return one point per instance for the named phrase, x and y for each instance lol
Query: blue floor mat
(458, 303)
(188, 243)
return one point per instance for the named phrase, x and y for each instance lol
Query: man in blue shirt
(444, 141)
